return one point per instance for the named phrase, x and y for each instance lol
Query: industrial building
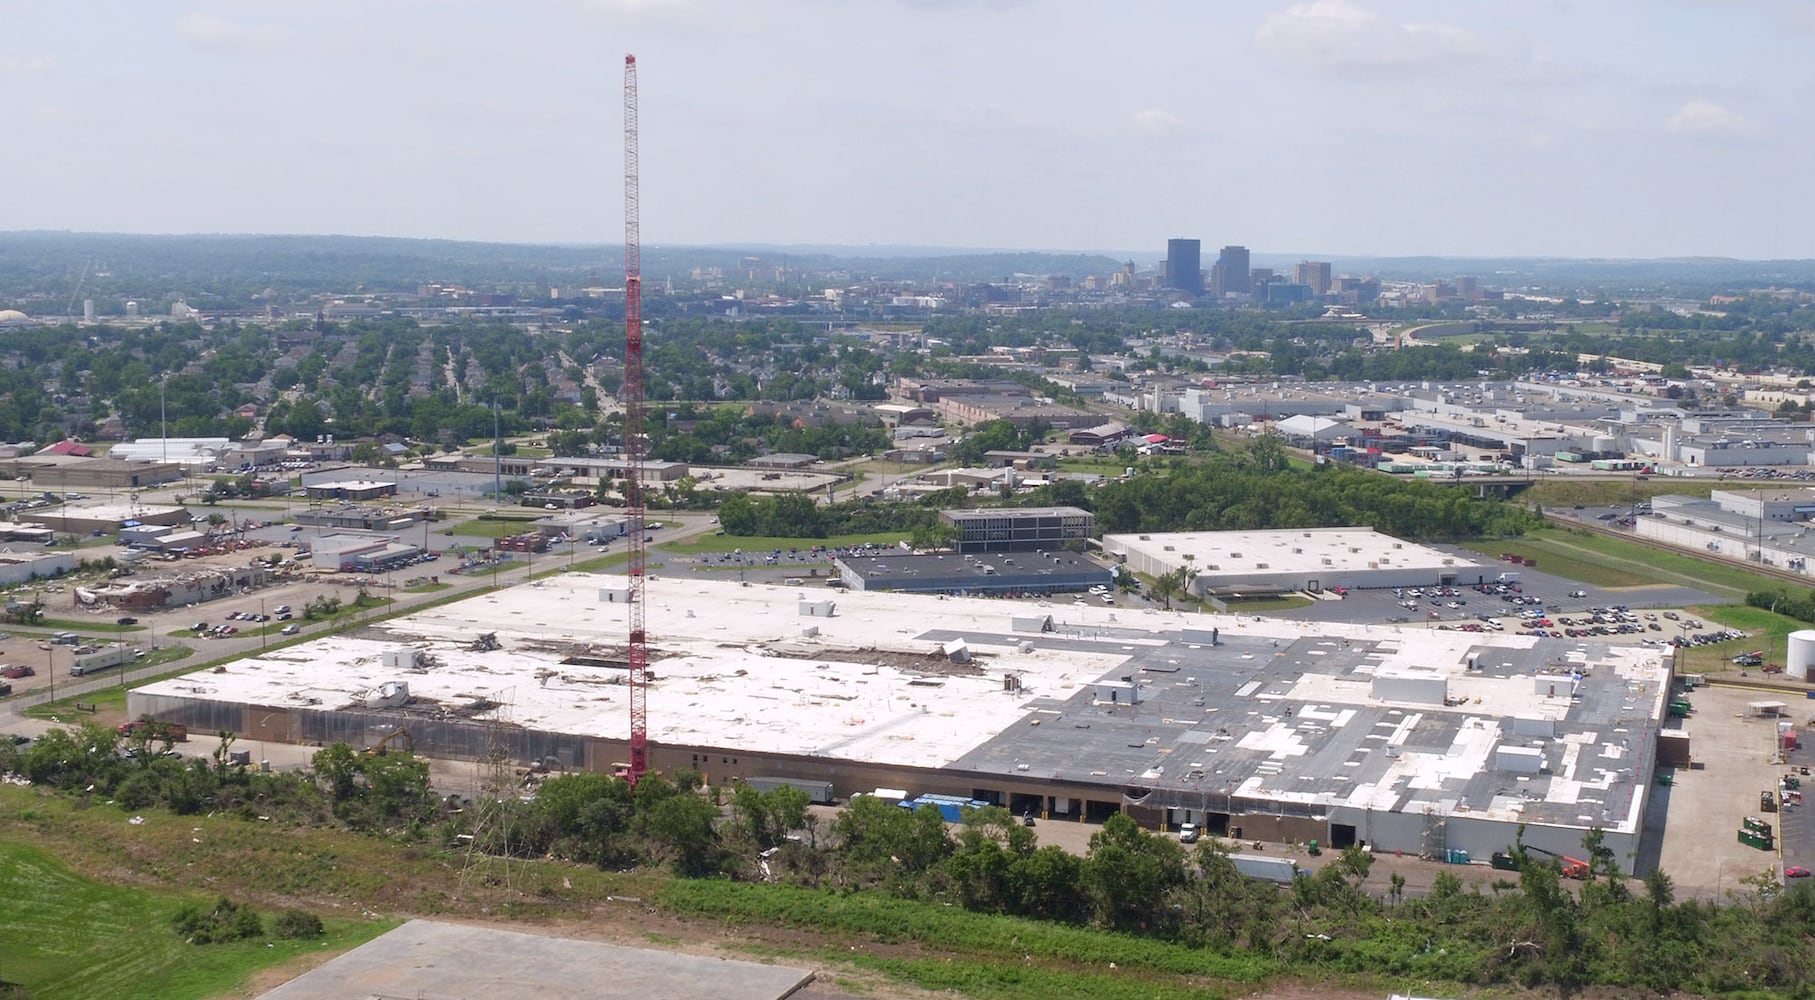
(348, 553)
(20, 566)
(1227, 564)
(104, 518)
(69, 472)
(193, 586)
(363, 517)
(1411, 740)
(352, 490)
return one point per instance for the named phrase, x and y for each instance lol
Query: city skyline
(1324, 128)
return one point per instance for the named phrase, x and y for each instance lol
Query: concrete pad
(1733, 751)
(429, 960)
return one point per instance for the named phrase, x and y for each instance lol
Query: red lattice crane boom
(634, 442)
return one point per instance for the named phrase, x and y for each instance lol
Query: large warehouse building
(1411, 740)
(1235, 563)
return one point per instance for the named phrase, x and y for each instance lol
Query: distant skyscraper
(1315, 273)
(1232, 271)
(1184, 266)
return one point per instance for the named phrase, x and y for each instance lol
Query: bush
(218, 924)
(297, 924)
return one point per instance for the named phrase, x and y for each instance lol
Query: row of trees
(1260, 490)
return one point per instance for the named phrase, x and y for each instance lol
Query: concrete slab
(429, 960)
(1733, 750)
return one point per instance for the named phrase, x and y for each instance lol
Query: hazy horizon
(1627, 129)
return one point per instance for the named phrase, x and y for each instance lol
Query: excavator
(399, 735)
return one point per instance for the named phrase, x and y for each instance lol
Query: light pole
(261, 627)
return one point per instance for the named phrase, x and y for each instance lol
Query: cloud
(1157, 121)
(643, 10)
(1707, 120)
(1341, 37)
(16, 64)
(212, 32)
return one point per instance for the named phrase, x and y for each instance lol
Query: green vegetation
(71, 937)
(1616, 562)
(85, 626)
(1261, 490)
(427, 588)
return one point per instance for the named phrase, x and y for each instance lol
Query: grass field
(89, 626)
(1098, 466)
(1612, 562)
(66, 936)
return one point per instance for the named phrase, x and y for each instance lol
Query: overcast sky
(1341, 127)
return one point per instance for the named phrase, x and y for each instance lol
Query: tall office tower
(1315, 273)
(1232, 266)
(1184, 266)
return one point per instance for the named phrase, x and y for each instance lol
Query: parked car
(128, 620)
(1795, 871)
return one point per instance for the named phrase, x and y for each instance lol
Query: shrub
(223, 922)
(297, 924)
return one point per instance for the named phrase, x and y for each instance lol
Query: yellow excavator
(400, 736)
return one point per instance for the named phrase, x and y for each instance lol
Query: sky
(1571, 128)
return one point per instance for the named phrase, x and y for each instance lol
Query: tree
(738, 515)
(1128, 873)
(766, 818)
(1170, 584)
(680, 829)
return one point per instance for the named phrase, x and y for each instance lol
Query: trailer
(951, 807)
(1281, 870)
(103, 659)
(817, 792)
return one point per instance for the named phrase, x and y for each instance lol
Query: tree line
(1529, 928)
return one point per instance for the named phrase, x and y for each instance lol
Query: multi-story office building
(1184, 266)
(1315, 273)
(1231, 272)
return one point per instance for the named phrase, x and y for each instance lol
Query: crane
(633, 435)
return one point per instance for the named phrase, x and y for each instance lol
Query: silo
(1801, 654)
(1606, 443)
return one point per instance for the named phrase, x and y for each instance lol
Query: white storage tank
(1800, 659)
